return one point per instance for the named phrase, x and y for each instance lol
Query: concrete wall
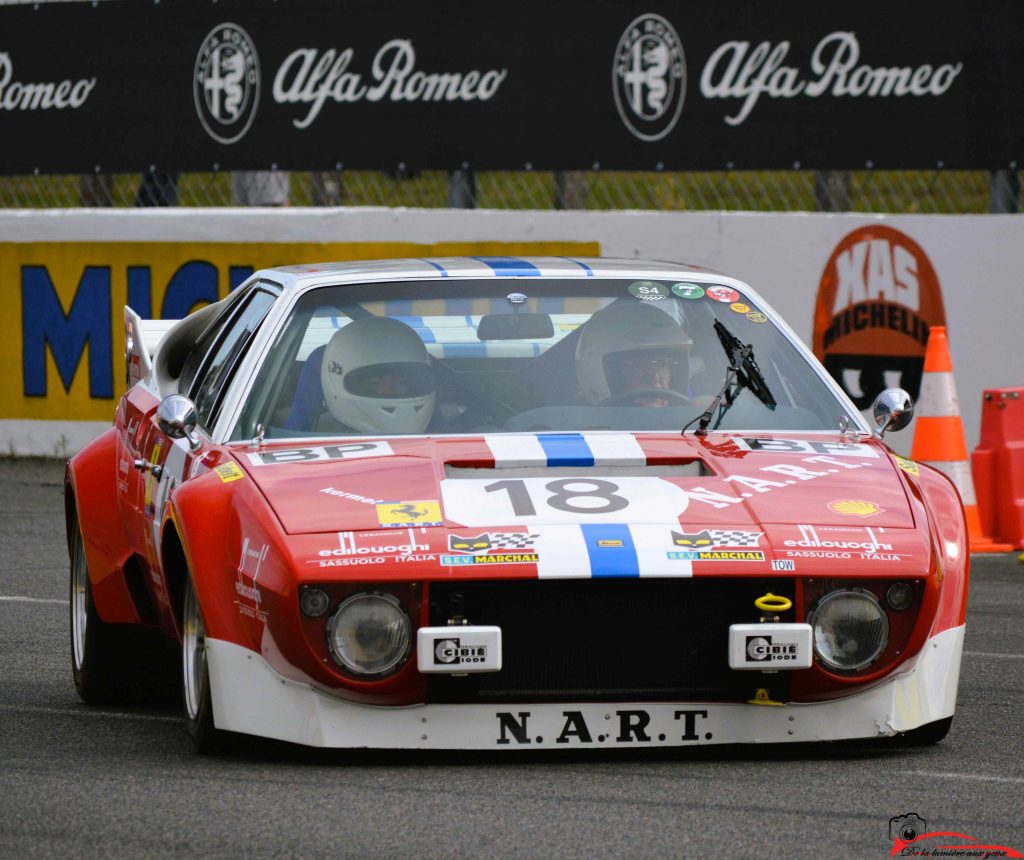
(106, 258)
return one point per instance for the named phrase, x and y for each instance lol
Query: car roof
(430, 268)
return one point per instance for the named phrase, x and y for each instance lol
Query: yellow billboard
(62, 350)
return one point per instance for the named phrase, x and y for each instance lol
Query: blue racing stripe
(584, 266)
(508, 266)
(464, 350)
(611, 550)
(566, 449)
(441, 269)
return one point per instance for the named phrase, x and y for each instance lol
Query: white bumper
(249, 697)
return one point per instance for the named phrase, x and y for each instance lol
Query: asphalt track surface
(125, 782)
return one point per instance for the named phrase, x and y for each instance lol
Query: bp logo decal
(226, 83)
(649, 77)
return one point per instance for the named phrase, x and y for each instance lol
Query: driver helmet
(629, 345)
(377, 377)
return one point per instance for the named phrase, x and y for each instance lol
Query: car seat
(308, 403)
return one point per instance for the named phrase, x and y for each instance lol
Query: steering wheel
(626, 398)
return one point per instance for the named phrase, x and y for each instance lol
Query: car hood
(531, 480)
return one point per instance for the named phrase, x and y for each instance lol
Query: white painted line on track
(995, 655)
(11, 598)
(82, 712)
(975, 777)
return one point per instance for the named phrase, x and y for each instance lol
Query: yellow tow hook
(770, 605)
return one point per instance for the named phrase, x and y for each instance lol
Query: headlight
(850, 630)
(369, 634)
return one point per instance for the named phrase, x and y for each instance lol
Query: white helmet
(628, 329)
(377, 378)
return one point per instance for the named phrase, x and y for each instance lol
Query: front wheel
(195, 677)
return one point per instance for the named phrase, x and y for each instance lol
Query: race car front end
(728, 629)
(572, 664)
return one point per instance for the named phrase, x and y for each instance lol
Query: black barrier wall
(129, 86)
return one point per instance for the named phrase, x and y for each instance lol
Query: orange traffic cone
(939, 438)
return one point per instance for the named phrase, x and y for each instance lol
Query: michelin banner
(862, 291)
(63, 345)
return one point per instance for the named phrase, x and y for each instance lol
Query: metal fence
(933, 191)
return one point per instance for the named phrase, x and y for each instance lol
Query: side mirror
(176, 417)
(892, 410)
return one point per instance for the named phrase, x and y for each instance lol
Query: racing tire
(926, 735)
(112, 664)
(195, 678)
(97, 662)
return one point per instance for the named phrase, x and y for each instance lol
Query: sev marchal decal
(717, 545)
(491, 548)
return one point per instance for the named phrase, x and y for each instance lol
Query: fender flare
(194, 541)
(951, 541)
(91, 474)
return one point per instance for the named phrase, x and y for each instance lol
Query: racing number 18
(563, 498)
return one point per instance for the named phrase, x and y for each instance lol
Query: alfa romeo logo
(226, 83)
(649, 77)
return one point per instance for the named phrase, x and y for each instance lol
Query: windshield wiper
(742, 372)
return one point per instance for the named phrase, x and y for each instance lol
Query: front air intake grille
(607, 639)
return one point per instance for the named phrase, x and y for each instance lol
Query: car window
(497, 355)
(229, 348)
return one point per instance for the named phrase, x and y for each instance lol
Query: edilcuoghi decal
(247, 590)
(878, 298)
(40, 95)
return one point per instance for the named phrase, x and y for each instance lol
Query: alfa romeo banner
(386, 84)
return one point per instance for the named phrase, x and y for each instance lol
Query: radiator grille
(607, 639)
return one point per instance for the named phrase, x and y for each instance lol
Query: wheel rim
(79, 599)
(193, 653)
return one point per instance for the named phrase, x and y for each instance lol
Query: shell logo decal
(854, 508)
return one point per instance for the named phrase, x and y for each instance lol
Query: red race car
(499, 503)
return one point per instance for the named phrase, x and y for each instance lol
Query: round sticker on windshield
(688, 291)
(757, 316)
(649, 291)
(739, 308)
(723, 294)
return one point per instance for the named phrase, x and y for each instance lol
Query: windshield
(497, 355)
